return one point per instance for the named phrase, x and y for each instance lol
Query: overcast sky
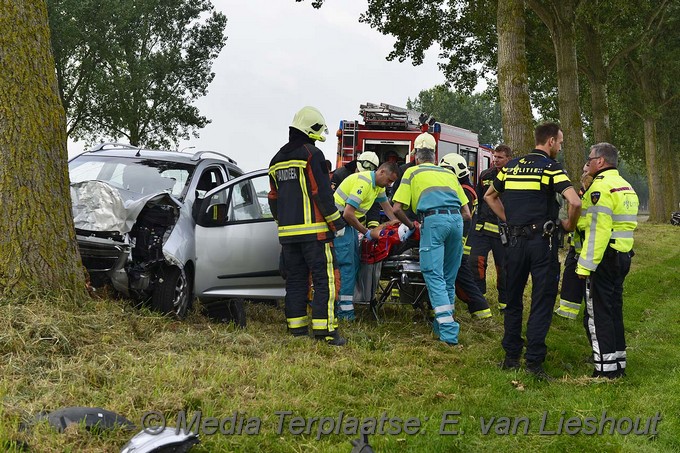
(280, 56)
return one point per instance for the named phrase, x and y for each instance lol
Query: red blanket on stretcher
(374, 251)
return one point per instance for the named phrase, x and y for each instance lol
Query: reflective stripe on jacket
(608, 218)
(300, 196)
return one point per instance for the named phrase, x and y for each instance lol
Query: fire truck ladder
(349, 139)
(389, 117)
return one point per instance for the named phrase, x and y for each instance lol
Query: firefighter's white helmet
(425, 140)
(310, 121)
(456, 163)
(368, 161)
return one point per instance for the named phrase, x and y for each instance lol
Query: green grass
(58, 353)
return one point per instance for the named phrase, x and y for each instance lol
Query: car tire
(172, 293)
(227, 311)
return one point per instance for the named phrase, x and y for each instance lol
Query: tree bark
(560, 17)
(656, 199)
(38, 251)
(597, 78)
(513, 84)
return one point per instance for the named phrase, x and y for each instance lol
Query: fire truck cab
(390, 132)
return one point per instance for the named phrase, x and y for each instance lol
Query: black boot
(332, 338)
(509, 363)
(536, 369)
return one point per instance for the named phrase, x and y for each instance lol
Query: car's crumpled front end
(120, 234)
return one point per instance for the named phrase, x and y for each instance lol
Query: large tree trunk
(512, 77)
(656, 200)
(38, 250)
(668, 167)
(560, 16)
(597, 78)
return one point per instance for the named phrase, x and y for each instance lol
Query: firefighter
(529, 185)
(435, 195)
(573, 288)
(302, 203)
(353, 198)
(368, 161)
(484, 236)
(611, 207)
(466, 288)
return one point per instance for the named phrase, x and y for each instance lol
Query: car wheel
(172, 292)
(227, 310)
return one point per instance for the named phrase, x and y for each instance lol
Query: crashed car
(166, 227)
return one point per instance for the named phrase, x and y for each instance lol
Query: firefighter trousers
(300, 259)
(530, 255)
(603, 318)
(468, 292)
(480, 246)
(573, 288)
(441, 249)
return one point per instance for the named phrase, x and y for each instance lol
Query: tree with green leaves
(477, 112)
(131, 69)
(652, 68)
(38, 251)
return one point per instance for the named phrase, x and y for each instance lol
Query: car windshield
(143, 176)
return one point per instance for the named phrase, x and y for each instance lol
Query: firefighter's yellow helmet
(310, 121)
(425, 140)
(368, 161)
(456, 163)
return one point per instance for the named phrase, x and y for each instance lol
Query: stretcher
(400, 271)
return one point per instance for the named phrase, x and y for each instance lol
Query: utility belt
(422, 215)
(529, 231)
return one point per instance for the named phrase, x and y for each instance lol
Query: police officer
(529, 206)
(435, 195)
(302, 203)
(484, 237)
(611, 207)
(353, 198)
(466, 288)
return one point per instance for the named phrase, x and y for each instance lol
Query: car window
(143, 176)
(210, 178)
(244, 201)
(233, 173)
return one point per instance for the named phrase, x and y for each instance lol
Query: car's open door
(237, 246)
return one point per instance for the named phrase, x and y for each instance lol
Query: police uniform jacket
(529, 185)
(301, 199)
(609, 216)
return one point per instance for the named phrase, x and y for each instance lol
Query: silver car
(168, 226)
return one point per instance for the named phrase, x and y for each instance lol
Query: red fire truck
(390, 131)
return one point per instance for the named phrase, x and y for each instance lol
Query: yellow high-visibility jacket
(608, 218)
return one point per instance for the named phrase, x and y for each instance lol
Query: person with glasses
(529, 185)
(611, 206)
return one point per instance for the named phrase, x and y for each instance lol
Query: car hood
(98, 206)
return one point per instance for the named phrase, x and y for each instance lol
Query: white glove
(404, 232)
(340, 232)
